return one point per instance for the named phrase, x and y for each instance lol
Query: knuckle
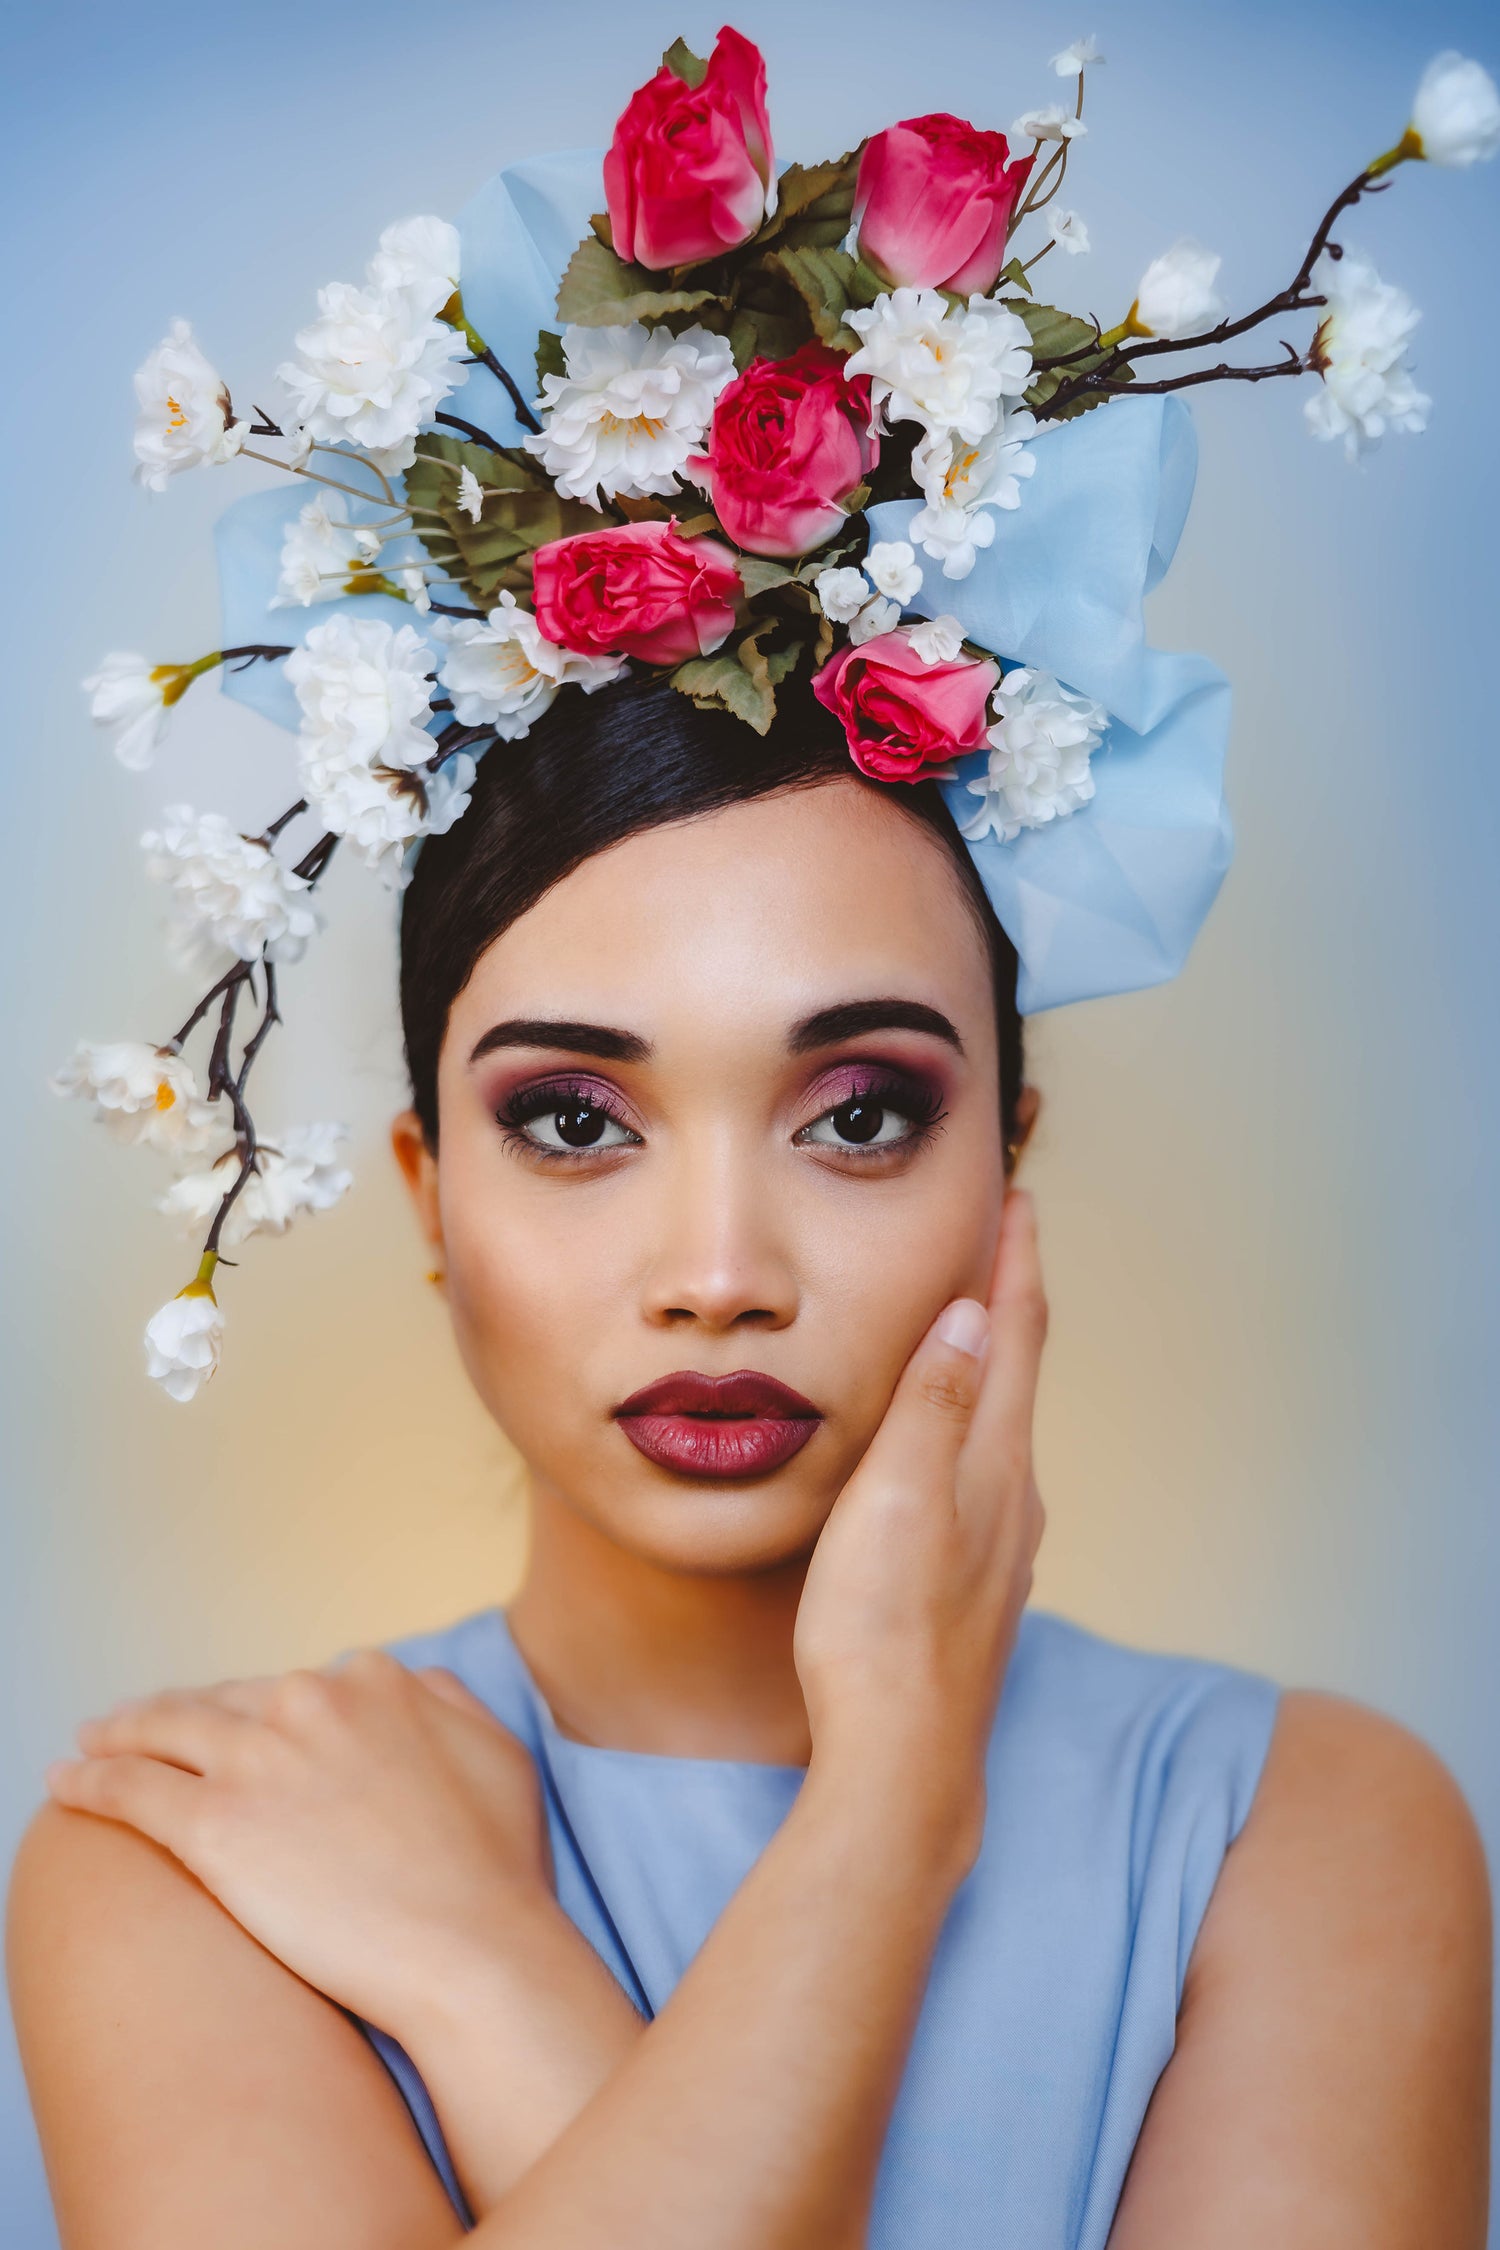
(301, 1698)
(949, 1388)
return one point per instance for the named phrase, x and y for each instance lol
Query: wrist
(910, 1816)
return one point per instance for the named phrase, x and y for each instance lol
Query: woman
(767, 1874)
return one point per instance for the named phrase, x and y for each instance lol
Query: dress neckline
(660, 1760)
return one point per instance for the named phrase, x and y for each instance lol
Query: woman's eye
(572, 1127)
(859, 1123)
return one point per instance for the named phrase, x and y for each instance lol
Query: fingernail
(965, 1325)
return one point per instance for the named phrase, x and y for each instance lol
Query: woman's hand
(376, 1829)
(919, 1577)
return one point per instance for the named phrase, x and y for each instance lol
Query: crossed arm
(168, 1961)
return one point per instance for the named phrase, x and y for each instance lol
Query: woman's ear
(1028, 1109)
(419, 1170)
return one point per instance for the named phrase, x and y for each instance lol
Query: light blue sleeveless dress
(1117, 1780)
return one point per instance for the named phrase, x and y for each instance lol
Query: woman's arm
(1330, 2082)
(188, 2090)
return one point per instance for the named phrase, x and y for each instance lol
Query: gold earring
(435, 1276)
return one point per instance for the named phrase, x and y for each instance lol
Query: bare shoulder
(183, 2081)
(1330, 2079)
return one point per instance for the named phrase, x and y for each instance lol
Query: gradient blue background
(1268, 1430)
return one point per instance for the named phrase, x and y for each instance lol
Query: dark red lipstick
(741, 1425)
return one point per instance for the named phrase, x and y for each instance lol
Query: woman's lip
(740, 1425)
(737, 1396)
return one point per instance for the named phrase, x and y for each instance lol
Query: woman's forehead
(771, 908)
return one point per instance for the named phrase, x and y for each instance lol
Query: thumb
(928, 1418)
(450, 1689)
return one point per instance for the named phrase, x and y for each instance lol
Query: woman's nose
(721, 1258)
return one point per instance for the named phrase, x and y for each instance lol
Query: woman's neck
(630, 1656)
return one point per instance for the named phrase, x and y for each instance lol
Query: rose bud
(639, 589)
(689, 172)
(789, 442)
(902, 714)
(933, 203)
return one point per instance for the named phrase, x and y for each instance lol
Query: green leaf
(781, 661)
(760, 332)
(1015, 274)
(823, 280)
(684, 64)
(721, 682)
(549, 356)
(814, 204)
(522, 511)
(759, 574)
(598, 290)
(1057, 335)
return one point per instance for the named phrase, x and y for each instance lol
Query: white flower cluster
(1360, 351)
(633, 403)
(321, 553)
(1040, 746)
(149, 1096)
(959, 371)
(145, 1095)
(365, 689)
(184, 416)
(501, 673)
(295, 1170)
(232, 897)
(870, 600)
(379, 361)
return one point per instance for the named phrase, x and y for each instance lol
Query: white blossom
(881, 615)
(230, 893)
(414, 584)
(947, 367)
(1456, 113)
(961, 482)
(894, 569)
(448, 792)
(1176, 296)
(184, 411)
(299, 444)
(1038, 767)
(842, 594)
(419, 258)
(937, 640)
(296, 1170)
(1073, 60)
(371, 369)
(500, 671)
(146, 1095)
(633, 404)
(364, 692)
(129, 693)
(1069, 233)
(1048, 124)
(321, 554)
(470, 494)
(1360, 350)
(183, 1341)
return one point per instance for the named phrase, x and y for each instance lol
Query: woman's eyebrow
(600, 1040)
(850, 1019)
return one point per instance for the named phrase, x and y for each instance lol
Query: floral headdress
(815, 420)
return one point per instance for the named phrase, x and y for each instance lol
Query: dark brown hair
(594, 770)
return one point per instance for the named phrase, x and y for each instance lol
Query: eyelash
(919, 1103)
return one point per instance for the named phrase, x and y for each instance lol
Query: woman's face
(724, 1101)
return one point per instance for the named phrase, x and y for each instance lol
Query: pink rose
(790, 440)
(933, 203)
(638, 589)
(902, 714)
(688, 174)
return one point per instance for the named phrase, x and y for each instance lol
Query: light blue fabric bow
(1107, 899)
